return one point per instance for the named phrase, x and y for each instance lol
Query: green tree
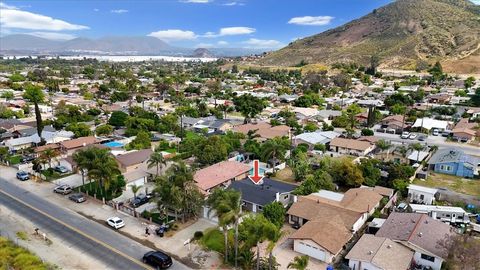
(274, 149)
(275, 213)
(48, 155)
(417, 147)
(8, 95)
(299, 263)
(371, 173)
(345, 172)
(104, 130)
(79, 129)
(469, 82)
(156, 159)
(314, 182)
(141, 141)
(301, 166)
(249, 106)
(383, 145)
(211, 150)
(135, 189)
(351, 114)
(118, 119)
(34, 94)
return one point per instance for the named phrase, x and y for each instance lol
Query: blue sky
(188, 23)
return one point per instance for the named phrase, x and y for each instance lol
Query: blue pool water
(261, 171)
(113, 144)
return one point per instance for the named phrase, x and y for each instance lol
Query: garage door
(309, 250)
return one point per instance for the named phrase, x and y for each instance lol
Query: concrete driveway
(74, 180)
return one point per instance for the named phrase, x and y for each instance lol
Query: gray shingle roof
(452, 155)
(261, 194)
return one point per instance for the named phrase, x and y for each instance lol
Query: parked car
(412, 136)
(157, 259)
(160, 231)
(422, 138)
(77, 197)
(402, 207)
(61, 169)
(140, 200)
(63, 189)
(405, 135)
(115, 222)
(27, 158)
(23, 176)
(435, 132)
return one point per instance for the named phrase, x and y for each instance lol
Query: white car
(115, 222)
(405, 135)
(412, 136)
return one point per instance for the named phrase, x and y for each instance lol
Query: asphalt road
(105, 244)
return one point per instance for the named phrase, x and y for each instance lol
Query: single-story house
(264, 130)
(429, 124)
(420, 233)
(255, 197)
(220, 175)
(313, 138)
(464, 130)
(455, 162)
(351, 147)
(133, 160)
(393, 122)
(423, 195)
(71, 146)
(304, 113)
(379, 253)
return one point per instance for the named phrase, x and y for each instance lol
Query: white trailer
(449, 214)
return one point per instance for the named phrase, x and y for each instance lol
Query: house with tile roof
(133, 160)
(420, 233)
(379, 253)
(221, 174)
(351, 146)
(264, 130)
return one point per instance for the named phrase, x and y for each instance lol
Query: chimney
(295, 198)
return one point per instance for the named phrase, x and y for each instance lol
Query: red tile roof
(219, 173)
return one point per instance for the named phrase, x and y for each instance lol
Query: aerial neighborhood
(225, 163)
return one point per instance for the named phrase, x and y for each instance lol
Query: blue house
(454, 162)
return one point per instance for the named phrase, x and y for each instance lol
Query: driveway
(74, 180)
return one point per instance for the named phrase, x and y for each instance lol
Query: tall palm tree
(156, 159)
(35, 94)
(104, 170)
(299, 263)
(258, 230)
(135, 190)
(383, 145)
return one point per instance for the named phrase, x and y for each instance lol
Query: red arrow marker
(256, 177)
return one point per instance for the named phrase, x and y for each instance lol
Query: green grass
(22, 235)
(15, 159)
(171, 150)
(213, 240)
(191, 135)
(455, 183)
(92, 189)
(15, 257)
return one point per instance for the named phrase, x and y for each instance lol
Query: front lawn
(93, 188)
(50, 174)
(455, 183)
(285, 175)
(15, 159)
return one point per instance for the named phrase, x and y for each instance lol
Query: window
(294, 218)
(427, 257)
(422, 197)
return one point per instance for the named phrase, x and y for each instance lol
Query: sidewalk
(134, 228)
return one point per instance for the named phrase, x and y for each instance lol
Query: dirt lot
(455, 183)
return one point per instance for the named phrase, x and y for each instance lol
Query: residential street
(106, 245)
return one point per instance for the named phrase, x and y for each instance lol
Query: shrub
(197, 235)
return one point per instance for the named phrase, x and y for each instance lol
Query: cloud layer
(173, 35)
(263, 43)
(311, 20)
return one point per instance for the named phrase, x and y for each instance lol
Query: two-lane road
(110, 247)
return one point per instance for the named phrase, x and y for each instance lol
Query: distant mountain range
(117, 45)
(403, 34)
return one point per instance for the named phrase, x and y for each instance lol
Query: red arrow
(256, 177)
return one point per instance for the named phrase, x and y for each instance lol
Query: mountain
(402, 34)
(116, 45)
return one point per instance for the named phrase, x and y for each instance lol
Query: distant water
(124, 58)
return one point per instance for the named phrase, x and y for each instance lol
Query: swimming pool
(114, 144)
(261, 171)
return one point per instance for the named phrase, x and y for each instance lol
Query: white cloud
(204, 45)
(52, 35)
(234, 3)
(311, 20)
(19, 19)
(5, 6)
(119, 11)
(96, 9)
(173, 35)
(197, 1)
(231, 31)
(263, 43)
(222, 43)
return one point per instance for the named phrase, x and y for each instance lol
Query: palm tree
(48, 155)
(274, 149)
(299, 263)
(135, 189)
(383, 145)
(104, 169)
(34, 94)
(156, 159)
(258, 229)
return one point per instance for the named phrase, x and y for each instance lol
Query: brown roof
(216, 174)
(381, 252)
(417, 229)
(79, 142)
(360, 199)
(464, 126)
(330, 234)
(135, 157)
(45, 147)
(387, 192)
(264, 130)
(315, 208)
(393, 118)
(350, 144)
(370, 139)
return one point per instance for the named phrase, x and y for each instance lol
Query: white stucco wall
(312, 249)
